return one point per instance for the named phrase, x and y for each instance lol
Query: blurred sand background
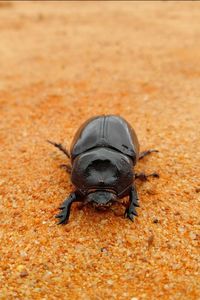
(60, 63)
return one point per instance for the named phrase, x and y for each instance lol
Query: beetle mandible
(103, 154)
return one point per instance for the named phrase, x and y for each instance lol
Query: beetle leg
(65, 208)
(145, 153)
(144, 177)
(60, 147)
(67, 168)
(130, 211)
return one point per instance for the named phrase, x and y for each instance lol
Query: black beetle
(103, 153)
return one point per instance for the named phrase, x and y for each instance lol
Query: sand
(62, 63)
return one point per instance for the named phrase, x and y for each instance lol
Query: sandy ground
(61, 63)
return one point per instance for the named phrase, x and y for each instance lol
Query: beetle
(103, 154)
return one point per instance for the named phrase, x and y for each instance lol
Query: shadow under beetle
(103, 153)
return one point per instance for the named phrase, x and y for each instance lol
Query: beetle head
(101, 199)
(102, 169)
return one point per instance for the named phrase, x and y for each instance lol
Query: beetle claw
(135, 203)
(61, 207)
(131, 217)
(63, 218)
(59, 216)
(135, 213)
(65, 209)
(63, 215)
(130, 214)
(61, 222)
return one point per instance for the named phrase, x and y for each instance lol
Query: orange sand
(60, 64)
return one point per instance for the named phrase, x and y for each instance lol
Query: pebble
(150, 240)
(20, 268)
(23, 274)
(22, 271)
(110, 281)
(168, 286)
(128, 266)
(176, 266)
(155, 221)
(104, 221)
(131, 239)
(104, 250)
(192, 235)
(181, 229)
(23, 253)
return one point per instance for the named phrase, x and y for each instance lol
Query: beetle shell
(109, 131)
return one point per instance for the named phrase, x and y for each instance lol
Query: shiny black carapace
(103, 154)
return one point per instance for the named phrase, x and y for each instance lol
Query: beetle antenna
(60, 147)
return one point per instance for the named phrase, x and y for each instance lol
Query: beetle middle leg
(130, 211)
(65, 208)
(66, 167)
(60, 147)
(145, 153)
(144, 177)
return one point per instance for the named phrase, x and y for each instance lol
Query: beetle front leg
(130, 212)
(65, 208)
